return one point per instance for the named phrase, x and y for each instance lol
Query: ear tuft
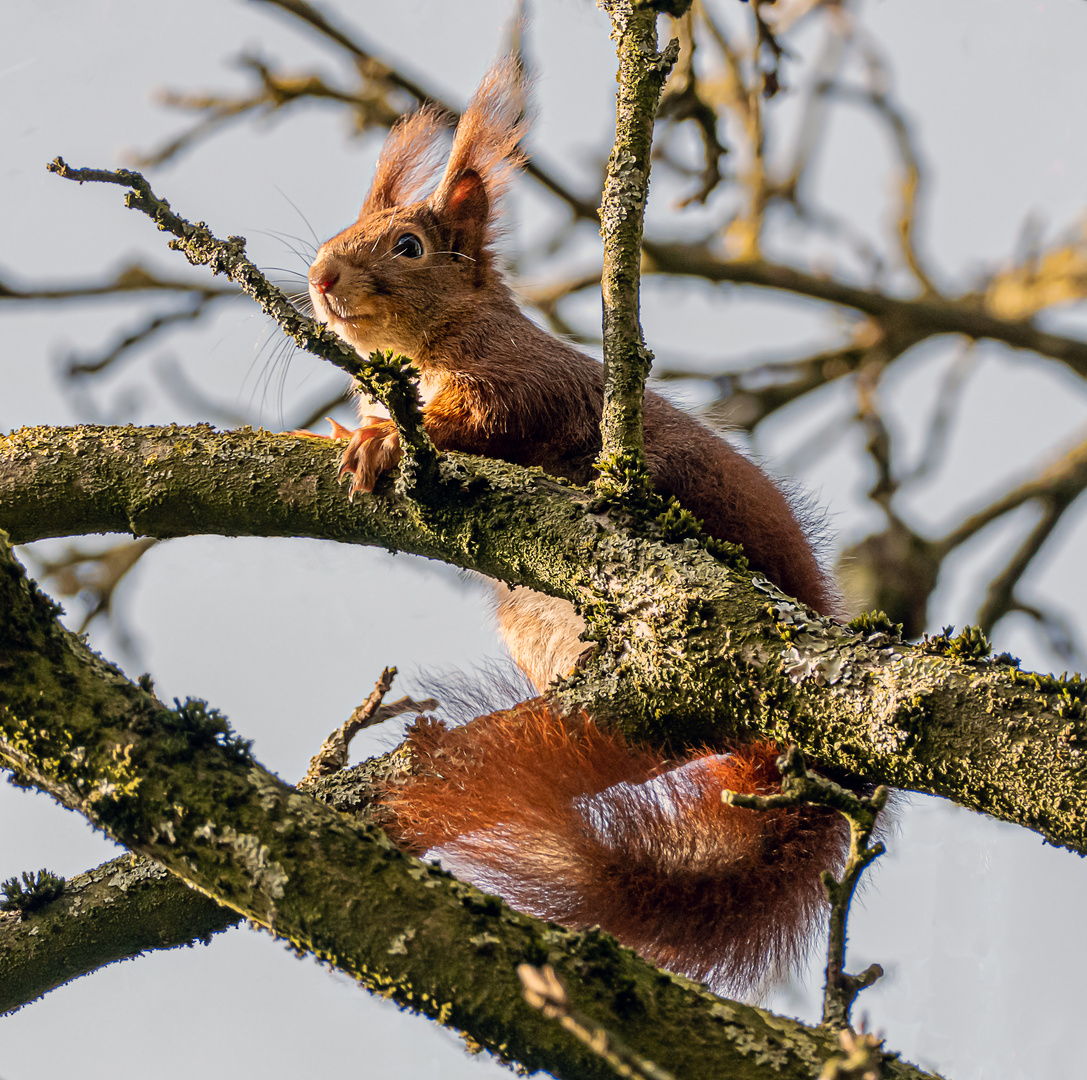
(485, 155)
(408, 160)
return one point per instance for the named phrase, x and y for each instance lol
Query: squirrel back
(560, 818)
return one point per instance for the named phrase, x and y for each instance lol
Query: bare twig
(923, 317)
(276, 91)
(76, 367)
(912, 173)
(372, 68)
(683, 100)
(333, 754)
(93, 575)
(948, 399)
(999, 598)
(878, 441)
(1058, 632)
(1059, 483)
(742, 95)
(544, 991)
(134, 278)
(798, 787)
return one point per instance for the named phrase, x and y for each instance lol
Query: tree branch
(716, 652)
(177, 786)
(963, 315)
(113, 912)
(642, 72)
(370, 66)
(385, 377)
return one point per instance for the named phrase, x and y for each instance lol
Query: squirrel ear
(465, 210)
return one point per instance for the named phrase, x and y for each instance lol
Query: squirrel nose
(324, 283)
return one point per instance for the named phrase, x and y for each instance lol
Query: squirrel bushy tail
(579, 826)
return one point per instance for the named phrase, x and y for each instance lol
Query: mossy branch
(642, 72)
(177, 786)
(717, 651)
(113, 912)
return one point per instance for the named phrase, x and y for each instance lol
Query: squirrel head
(412, 270)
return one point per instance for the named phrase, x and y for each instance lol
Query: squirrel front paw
(371, 450)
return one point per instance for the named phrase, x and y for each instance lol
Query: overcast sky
(979, 925)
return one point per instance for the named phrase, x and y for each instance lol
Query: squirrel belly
(576, 825)
(560, 818)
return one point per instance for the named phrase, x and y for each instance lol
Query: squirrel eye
(408, 245)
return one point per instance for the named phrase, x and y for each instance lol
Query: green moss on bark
(687, 649)
(173, 786)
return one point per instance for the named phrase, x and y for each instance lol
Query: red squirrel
(562, 819)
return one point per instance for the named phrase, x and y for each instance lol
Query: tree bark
(179, 787)
(687, 649)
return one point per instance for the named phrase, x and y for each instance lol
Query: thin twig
(1061, 481)
(370, 67)
(948, 400)
(683, 100)
(799, 787)
(385, 377)
(1000, 596)
(93, 575)
(743, 96)
(134, 278)
(544, 991)
(334, 751)
(75, 367)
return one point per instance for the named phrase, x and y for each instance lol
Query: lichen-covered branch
(799, 787)
(642, 71)
(333, 755)
(113, 912)
(715, 651)
(385, 377)
(178, 786)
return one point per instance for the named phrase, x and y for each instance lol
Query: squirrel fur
(559, 817)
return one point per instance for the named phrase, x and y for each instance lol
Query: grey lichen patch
(266, 874)
(300, 489)
(399, 944)
(822, 667)
(268, 792)
(137, 872)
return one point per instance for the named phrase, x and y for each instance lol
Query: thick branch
(113, 912)
(713, 654)
(177, 786)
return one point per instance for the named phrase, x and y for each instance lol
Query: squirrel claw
(338, 430)
(370, 451)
